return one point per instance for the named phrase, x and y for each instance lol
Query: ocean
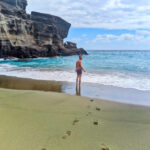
(118, 69)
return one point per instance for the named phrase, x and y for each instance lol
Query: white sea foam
(114, 79)
(6, 66)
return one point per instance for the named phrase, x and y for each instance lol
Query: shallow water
(126, 69)
(122, 76)
(109, 93)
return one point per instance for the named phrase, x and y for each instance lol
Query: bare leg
(79, 91)
(78, 85)
(77, 81)
(80, 80)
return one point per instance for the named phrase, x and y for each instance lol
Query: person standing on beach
(79, 70)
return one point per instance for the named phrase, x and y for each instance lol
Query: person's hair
(80, 56)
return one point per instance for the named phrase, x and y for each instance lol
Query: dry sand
(34, 120)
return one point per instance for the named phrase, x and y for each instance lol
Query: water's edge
(109, 93)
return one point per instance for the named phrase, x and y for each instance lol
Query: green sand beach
(46, 46)
(35, 120)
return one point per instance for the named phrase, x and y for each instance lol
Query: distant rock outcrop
(30, 36)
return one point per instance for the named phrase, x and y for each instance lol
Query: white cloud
(143, 32)
(76, 40)
(139, 36)
(109, 14)
(116, 4)
(105, 37)
(126, 37)
(84, 35)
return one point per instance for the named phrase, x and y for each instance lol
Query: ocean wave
(4, 68)
(7, 66)
(115, 79)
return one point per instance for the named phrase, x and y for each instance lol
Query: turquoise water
(127, 69)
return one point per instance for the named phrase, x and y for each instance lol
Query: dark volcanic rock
(70, 45)
(31, 36)
(61, 25)
(18, 3)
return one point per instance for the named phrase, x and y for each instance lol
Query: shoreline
(108, 93)
(9, 82)
(50, 120)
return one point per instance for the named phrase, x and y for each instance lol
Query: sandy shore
(111, 93)
(35, 120)
(29, 84)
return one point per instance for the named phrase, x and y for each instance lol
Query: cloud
(84, 35)
(116, 4)
(139, 36)
(127, 37)
(76, 39)
(105, 37)
(108, 14)
(143, 32)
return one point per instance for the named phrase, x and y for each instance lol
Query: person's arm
(82, 67)
(76, 67)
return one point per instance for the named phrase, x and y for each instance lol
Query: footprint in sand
(64, 137)
(98, 109)
(75, 121)
(68, 133)
(104, 147)
(95, 123)
(91, 100)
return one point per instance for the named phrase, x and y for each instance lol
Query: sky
(102, 24)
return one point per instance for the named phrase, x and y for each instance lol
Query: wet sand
(29, 84)
(36, 120)
(109, 93)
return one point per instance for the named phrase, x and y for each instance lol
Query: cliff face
(18, 3)
(35, 35)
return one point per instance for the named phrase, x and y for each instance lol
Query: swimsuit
(79, 67)
(79, 72)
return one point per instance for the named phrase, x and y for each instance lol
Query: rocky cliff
(30, 36)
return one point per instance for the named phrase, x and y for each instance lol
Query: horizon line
(117, 50)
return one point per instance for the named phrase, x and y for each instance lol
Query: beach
(99, 91)
(121, 76)
(40, 108)
(74, 75)
(44, 120)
